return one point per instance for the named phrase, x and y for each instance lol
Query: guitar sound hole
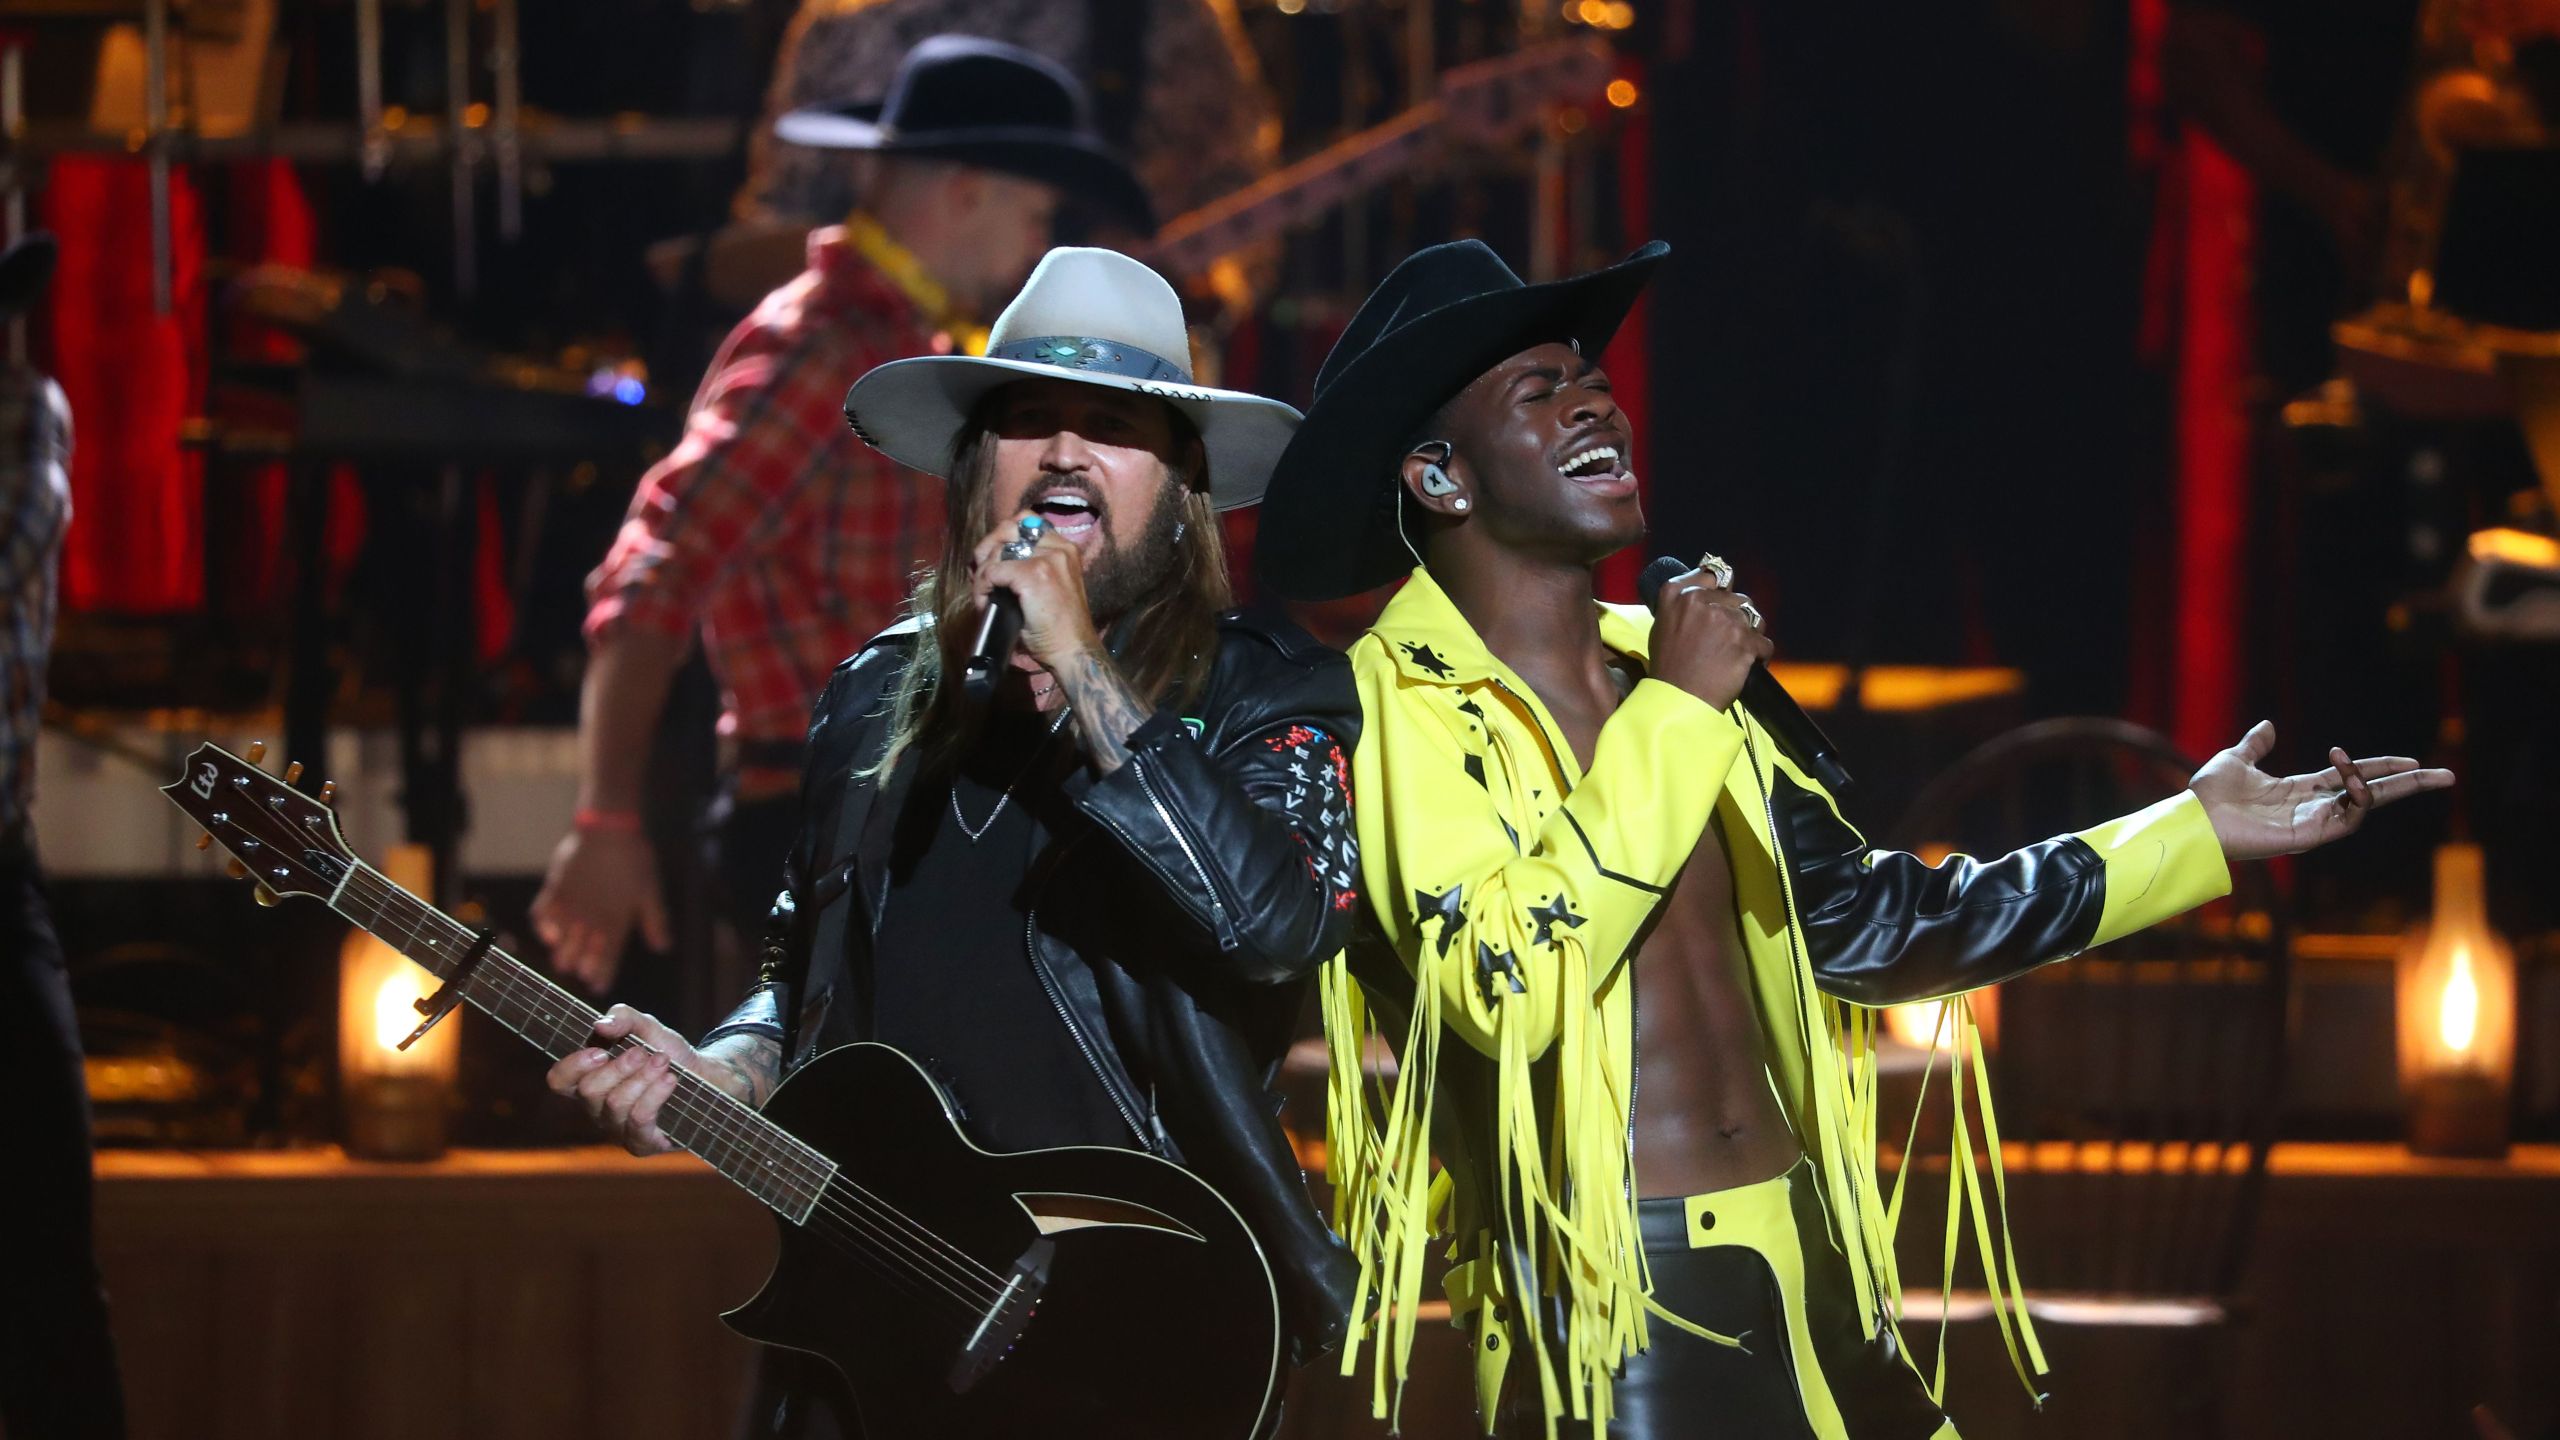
(1053, 1213)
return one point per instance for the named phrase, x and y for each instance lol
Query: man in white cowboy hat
(1089, 901)
(770, 531)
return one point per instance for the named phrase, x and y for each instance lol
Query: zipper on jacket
(1147, 1136)
(1795, 952)
(1208, 886)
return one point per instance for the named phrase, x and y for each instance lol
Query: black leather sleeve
(783, 961)
(1253, 841)
(1883, 928)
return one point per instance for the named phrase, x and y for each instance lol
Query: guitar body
(961, 1295)
(1155, 1314)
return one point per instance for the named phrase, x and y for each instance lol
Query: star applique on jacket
(1490, 963)
(1548, 916)
(1424, 658)
(1448, 907)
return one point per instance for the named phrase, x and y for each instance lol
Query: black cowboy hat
(24, 269)
(1439, 320)
(987, 104)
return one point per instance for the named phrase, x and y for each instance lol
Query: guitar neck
(759, 1156)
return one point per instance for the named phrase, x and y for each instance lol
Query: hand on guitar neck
(624, 1087)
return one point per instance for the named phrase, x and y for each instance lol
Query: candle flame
(395, 1008)
(2458, 1017)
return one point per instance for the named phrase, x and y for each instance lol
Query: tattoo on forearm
(753, 1063)
(1106, 713)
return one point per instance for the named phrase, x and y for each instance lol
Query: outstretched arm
(1885, 928)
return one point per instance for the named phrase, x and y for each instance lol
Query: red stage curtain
(137, 540)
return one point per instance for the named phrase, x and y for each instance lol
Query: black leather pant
(1718, 1273)
(57, 1359)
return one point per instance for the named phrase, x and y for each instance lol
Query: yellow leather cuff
(2161, 861)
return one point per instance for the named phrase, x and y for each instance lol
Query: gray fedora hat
(1093, 316)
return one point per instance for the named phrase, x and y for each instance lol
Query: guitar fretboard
(761, 1157)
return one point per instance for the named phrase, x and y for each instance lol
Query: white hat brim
(911, 411)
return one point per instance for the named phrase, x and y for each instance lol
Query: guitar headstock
(287, 841)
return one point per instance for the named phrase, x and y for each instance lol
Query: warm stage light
(2457, 992)
(1622, 93)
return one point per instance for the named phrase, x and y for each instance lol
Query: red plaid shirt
(786, 540)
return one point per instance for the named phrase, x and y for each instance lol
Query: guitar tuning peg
(257, 751)
(328, 791)
(236, 870)
(205, 841)
(292, 771)
(265, 896)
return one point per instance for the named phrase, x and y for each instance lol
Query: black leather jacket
(1213, 874)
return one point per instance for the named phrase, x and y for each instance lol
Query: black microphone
(998, 629)
(1763, 696)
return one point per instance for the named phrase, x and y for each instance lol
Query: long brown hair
(1166, 641)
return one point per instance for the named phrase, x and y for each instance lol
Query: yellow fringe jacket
(1510, 883)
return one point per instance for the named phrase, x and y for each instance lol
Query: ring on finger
(1019, 549)
(1714, 565)
(1751, 614)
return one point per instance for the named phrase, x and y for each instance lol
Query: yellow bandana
(902, 269)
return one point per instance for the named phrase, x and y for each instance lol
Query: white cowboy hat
(1094, 316)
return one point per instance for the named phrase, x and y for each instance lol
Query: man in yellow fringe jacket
(1664, 1211)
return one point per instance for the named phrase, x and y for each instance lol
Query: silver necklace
(976, 831)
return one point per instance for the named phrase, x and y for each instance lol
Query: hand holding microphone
(1707, 640)
(1000, 623)
(1032, 587)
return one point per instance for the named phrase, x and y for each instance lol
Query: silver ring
(1751, 613)
(1715, 566)
(1018, 549)
(1028, 528)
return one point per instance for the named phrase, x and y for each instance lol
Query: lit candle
(395, 1103)
(2457, 986)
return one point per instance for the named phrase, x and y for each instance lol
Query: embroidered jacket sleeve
(1252, 838)
(1496, 912)
(1883, 927)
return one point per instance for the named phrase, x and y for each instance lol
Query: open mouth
(1074, 514)
(1599, 467)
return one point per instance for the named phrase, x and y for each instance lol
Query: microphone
(1779, 714)
(998, 629)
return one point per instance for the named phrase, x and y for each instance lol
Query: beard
(1121, 577)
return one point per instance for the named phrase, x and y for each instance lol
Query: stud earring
(1458, 504)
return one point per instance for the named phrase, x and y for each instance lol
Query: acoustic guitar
(959, 1293)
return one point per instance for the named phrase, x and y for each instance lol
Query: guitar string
(724, 1117)
(717, 1126)
(830, 1220)
(725, 1120)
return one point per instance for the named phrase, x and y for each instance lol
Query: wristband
(617, 822)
